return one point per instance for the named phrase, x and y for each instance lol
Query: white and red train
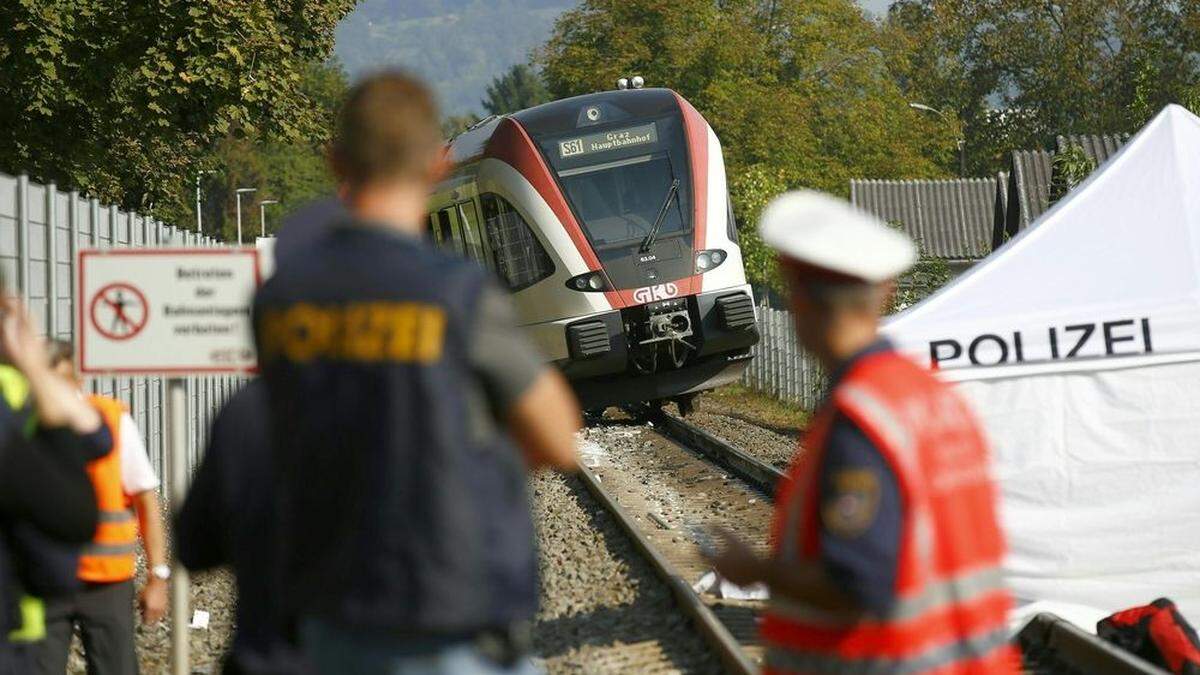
(608, 218)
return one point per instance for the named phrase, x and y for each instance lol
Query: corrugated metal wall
(41, 229)
(951, 219)
(1098, 148)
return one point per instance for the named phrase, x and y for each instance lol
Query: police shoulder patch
(852, 503)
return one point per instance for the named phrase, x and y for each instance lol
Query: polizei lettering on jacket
(368, 332)
(1121, 337)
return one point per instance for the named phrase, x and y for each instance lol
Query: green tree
(290, 171)
(1071, 167)
(1054, 67)
(454, 125)
(122, 98)
(798, 91)
(519, 88)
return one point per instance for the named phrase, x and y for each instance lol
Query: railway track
(680, 481)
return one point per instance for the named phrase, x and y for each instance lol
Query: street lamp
(240, 192)
(962, 144)
(262, 214)
(199, 218)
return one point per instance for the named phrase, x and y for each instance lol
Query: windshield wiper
(662, 215)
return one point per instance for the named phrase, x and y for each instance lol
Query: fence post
(23, 236)
(51, 260)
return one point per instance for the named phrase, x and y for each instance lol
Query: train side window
(431, 228)
(468, 222)
(517, 255)
(731, 224)
(446, 232)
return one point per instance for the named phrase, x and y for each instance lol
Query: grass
(751, 406)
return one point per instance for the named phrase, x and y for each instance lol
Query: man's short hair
(59, 351)
(853, 296)
(387, 129)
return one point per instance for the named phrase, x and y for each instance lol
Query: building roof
(1097, 148)
(1030, 181)
(1028, 187)
(951, 219)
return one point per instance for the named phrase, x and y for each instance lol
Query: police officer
(886, 549)
(397, 383)
(127, 496)
(47, 506)
(235, 486)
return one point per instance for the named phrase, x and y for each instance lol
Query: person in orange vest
(126, 493)
(886, 550)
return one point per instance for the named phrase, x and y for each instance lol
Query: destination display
(643, 134)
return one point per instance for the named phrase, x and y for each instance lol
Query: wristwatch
(161, 572)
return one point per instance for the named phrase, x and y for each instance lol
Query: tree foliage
(290, 171)
(120, 98)
(519, 88)
(1071, 167)
(798, 91)
(1055, 67)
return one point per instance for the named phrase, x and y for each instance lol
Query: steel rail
(714, 632)
(745, 466)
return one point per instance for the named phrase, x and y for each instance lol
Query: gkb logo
(652, 293)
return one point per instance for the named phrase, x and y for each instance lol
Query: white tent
(1078, 344)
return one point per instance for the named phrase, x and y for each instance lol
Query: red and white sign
(169, 311)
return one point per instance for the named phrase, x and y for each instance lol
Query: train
(608, 218)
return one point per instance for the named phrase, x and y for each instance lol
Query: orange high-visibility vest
(110, 556)
(950, 606)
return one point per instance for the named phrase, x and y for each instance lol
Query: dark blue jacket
(396, 516)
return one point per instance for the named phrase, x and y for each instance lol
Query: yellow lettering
(367, 332)
(363, 339)
(432, 335)
(403, 321)
(307, 334)
(270, 330)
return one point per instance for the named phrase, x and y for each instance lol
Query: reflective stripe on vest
(966, 649)
(950, 601)
(122, 516)
(110, 555)
(964, 588)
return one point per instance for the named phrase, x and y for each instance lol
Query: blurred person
(126, 495)
(397, 382)
(886, 550)
(234, 486)
(47, 505)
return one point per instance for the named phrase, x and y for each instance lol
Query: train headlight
(708, 260)
(591, 282)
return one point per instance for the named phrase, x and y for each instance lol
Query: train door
(472, 233)
(447, 236)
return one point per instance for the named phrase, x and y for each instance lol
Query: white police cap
(819, 231)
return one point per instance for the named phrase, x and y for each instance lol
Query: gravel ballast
(764, 444)
(603, 610)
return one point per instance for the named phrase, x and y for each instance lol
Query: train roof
(567, 114)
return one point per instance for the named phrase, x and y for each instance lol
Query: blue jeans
(339, 651)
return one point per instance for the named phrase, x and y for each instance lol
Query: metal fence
(41, 229)
(780, 368)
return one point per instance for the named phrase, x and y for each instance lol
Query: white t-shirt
(137, 475)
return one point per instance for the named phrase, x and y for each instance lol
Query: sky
(876, 6)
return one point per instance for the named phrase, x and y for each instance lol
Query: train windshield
(618, 202)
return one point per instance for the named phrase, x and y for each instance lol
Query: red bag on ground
(1157, 633)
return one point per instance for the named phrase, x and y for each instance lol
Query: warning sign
(170, 311)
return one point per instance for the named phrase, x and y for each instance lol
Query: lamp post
(262, 214)
(962, 143)
(199, 218)
(240, 192)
